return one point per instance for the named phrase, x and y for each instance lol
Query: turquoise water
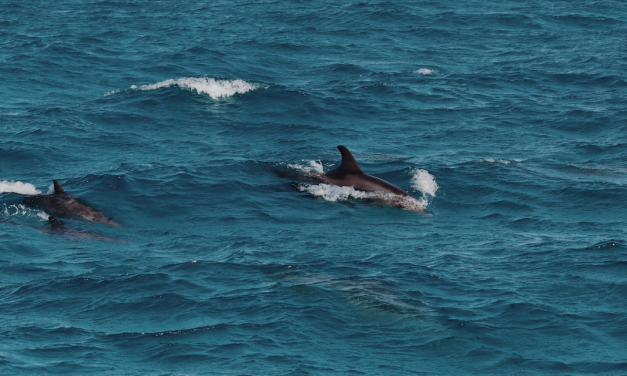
(505, 121)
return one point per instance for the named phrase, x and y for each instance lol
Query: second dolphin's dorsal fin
(349, 164)
(57, 187)
(55, 222)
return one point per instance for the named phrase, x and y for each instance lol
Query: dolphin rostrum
(63, 205)
(350, 175)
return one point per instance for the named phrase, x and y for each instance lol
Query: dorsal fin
(349, 164)
(55, 222)
(57, 187)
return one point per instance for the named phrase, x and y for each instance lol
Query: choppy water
(506, 121)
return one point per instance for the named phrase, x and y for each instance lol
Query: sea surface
(505, 120)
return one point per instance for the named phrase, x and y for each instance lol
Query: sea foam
(424, 71)
(22, 211)
(216, 89)
(311, 167)
(492, 160)
(424, 182)
(18, 187)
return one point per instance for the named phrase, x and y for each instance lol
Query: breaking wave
(18, 187)
(216, 89)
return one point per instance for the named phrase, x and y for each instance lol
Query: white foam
(111, 92)
(424, 182)
(425, 71)
(312, 167)
(18, 187)
(22, 210)
(492, 160)
(216, 89)
(336, 193)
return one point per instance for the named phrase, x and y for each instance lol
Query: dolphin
(63, 205)
(350, 175)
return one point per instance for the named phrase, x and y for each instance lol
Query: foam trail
(216, 89)
(23, 211)
(425, 71)
(18, 187)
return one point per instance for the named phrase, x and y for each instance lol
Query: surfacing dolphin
(63, 205)
(350, 175)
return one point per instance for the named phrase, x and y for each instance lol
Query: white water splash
(425, 71)
(424, 182)
(216, 89)
(111, 92)
(18, 187)
(22, 211)
(492, 160)
(312, 167)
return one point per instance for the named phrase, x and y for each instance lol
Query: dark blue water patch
(513, 109)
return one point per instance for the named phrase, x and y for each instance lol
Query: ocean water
(505, 120)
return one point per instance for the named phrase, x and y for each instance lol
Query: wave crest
(18, 187)
(216, 89)
(312, 167)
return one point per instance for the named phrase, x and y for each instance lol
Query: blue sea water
(506, 121)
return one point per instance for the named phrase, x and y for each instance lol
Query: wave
(18, 187)
(216, 89)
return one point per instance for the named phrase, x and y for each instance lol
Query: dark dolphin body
(63, 205)
(350, 175)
